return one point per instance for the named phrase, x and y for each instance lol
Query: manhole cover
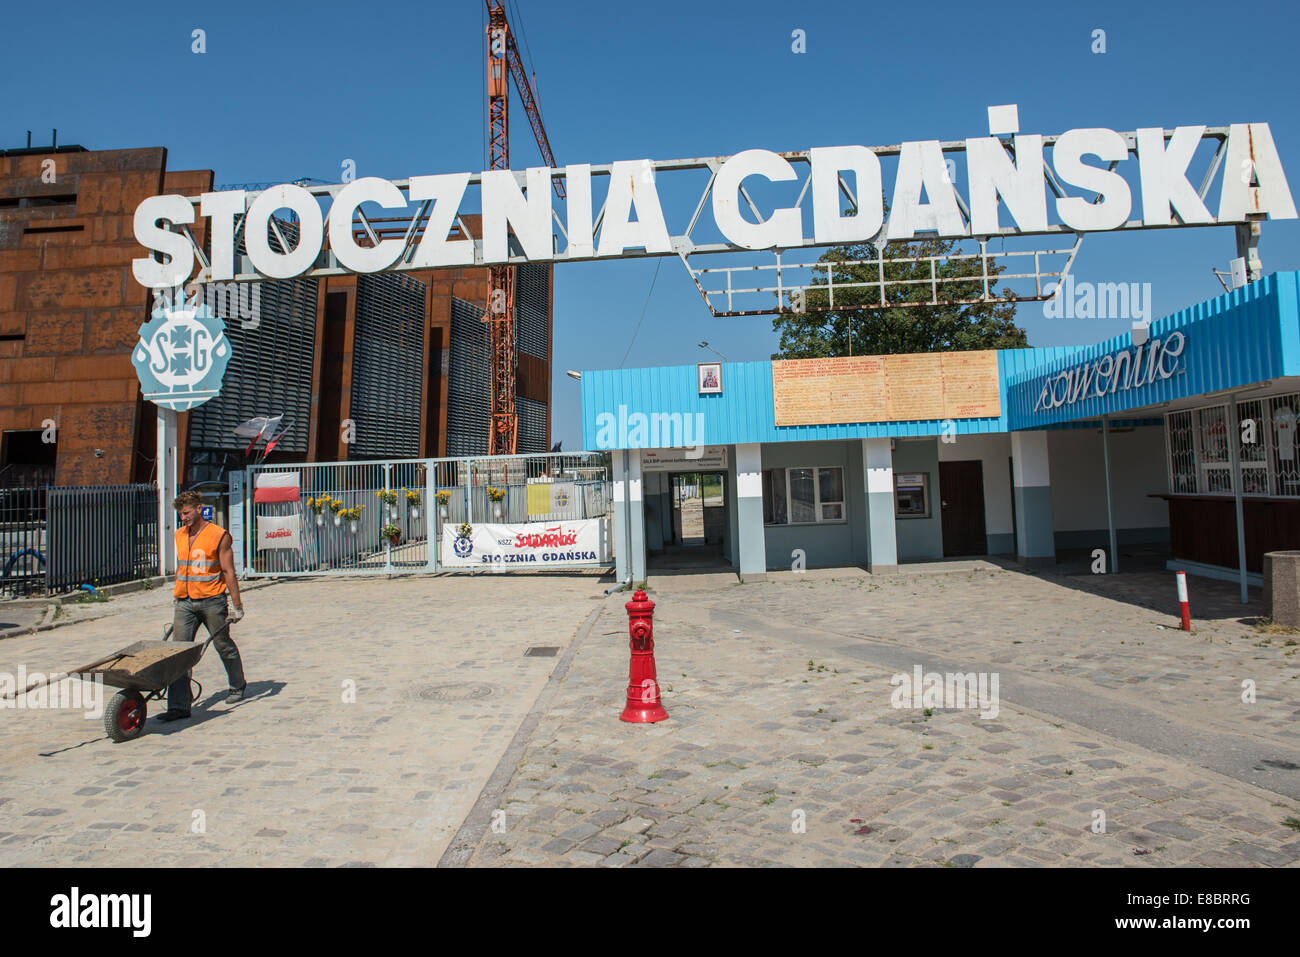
(456, 691)
(542, 651)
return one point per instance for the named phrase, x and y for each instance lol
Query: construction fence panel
(100, 535)
(23, 546)
(389, 516)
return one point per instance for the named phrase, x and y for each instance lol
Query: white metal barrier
(401, 516)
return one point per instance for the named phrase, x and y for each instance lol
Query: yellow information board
(935, 385)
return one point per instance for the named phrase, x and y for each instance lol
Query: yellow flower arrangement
(412, 497)
(387, 496)
(495, 494)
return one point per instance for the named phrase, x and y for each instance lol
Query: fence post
(432, 516)
(388, 542)
(235, 509)
(48, 541)
(469, 491)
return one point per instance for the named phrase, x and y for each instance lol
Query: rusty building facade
(361, 367)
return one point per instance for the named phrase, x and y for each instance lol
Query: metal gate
(55, 539)
(388, 517)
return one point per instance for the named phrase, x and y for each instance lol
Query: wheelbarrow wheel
(125, 715)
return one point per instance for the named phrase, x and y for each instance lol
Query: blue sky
(294, 89)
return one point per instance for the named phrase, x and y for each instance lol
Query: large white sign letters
(1086, 165)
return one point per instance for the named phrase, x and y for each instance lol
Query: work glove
(236, 613)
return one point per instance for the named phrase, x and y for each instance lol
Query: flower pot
(352, 527)
(320, 519)
(392, 512)
(443, 510)
(496, 511)
(415, 511)
(338, 520)
(393, 540)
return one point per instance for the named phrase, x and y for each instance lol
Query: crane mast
(505, 62)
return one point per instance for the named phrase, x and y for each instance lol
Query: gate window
(803, 496)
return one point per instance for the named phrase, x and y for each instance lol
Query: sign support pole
(166, 462)
(1110, 506)
(1234, 458)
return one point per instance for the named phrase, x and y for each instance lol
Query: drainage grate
(460, 691)
(542, 651)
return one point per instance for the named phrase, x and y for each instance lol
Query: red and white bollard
(643, 705)
(1182, 601)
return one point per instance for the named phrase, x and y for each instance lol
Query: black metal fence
(23, 550)
(56, 539)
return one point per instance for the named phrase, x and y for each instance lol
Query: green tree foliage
(889, 331)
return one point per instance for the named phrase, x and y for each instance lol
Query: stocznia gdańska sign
(633, 216)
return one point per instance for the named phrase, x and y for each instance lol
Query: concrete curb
(475, 826)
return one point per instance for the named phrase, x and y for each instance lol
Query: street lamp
(705, 345)
(573, 374)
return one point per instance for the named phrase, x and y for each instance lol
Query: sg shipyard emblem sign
(182, 355)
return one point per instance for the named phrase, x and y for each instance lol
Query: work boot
(235, 694)
(173, 714)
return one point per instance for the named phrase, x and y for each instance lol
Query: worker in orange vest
(205, 571)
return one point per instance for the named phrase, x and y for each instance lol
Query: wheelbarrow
(143, 671)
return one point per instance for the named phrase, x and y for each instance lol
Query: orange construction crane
(503, 55)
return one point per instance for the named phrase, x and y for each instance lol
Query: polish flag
(276, 487)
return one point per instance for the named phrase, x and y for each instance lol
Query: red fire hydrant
(643, 705)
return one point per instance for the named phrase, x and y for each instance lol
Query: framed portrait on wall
(710, 378)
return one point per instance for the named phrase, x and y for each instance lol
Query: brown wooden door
(961, 507)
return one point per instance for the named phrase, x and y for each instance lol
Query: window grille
(1268, 448)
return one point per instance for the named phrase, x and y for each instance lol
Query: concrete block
(1282, 585)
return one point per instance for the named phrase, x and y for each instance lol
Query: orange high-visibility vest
(198, 569)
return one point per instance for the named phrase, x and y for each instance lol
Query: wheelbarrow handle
(52, 679)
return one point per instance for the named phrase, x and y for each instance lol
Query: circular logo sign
(182, 355)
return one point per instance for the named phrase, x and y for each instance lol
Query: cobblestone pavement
(783, 748)
(293, 775)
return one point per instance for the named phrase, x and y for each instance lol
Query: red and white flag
(271, 487)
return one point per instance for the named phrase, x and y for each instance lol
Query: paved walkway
(295, 775)
(783, 746)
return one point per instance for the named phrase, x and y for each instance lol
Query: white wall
(1137, 463)
(994, 451)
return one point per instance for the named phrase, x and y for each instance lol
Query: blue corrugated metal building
(1183, 438)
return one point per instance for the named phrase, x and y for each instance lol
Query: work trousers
(185, 625)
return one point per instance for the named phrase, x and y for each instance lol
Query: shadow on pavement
(1144, 581)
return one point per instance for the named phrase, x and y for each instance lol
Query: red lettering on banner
(551, 538)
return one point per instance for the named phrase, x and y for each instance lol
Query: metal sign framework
(781, 285)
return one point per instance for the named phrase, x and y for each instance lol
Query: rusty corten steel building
(395, 363)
